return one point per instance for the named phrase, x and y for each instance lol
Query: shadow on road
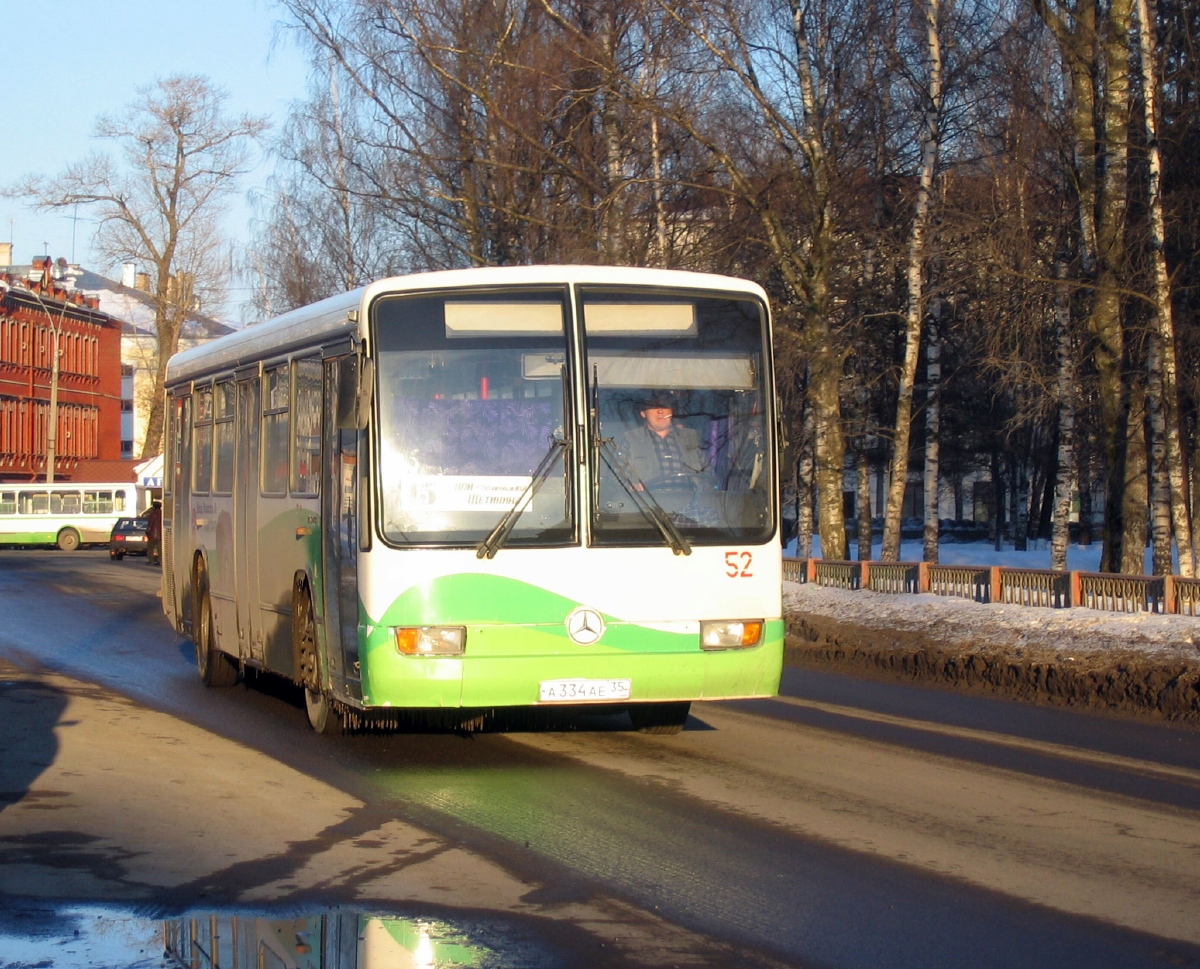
(29, 711)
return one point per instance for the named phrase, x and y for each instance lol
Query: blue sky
(67, 62)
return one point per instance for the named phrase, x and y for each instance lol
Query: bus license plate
(583, 691)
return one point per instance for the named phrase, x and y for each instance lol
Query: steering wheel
(672, 491)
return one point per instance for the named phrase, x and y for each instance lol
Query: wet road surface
(847, 823)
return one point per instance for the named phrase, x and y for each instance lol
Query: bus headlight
(731, 633)
(431, 640)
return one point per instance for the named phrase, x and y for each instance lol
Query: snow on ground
(1021, 630)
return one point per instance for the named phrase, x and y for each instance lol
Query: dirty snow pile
(1021, 631)
(1024, 631)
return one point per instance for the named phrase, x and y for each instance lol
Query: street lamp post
(52, 420)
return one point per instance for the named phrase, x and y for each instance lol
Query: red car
(128, 537)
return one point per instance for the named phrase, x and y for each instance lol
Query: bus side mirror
(356, 383)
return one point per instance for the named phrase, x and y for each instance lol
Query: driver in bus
(662, 453)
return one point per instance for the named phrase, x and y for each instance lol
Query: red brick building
(33, 309)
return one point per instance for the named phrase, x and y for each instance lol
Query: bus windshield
(471, 395)
(679, 443)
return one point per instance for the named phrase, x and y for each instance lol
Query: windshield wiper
(642, 497)
(495, 541)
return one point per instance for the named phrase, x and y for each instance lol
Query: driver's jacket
(645, 454)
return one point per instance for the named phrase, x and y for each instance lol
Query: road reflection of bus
(331, 941)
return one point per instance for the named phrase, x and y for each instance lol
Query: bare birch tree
(764, 72)
(915, 273)
(1164, 407)
(1067, 394)
(933, 381)
(182, 159)
(1093, 40)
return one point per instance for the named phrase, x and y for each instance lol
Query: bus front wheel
(68, 540)
(659, 718)
(214, 667)
(323, 715)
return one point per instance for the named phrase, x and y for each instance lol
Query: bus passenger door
(177, 537)
(246, 521)
(340, 514)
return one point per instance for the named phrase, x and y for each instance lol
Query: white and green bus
(63, 514)
(419, 495)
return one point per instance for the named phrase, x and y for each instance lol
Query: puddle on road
(88, 938)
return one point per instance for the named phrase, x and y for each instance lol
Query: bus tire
(215, 668)
(68, 540)
(323, 714)
(659, 718)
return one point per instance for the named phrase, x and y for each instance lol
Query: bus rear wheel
(660, 718)
(323, 715)
(68, 540)
(215, 668)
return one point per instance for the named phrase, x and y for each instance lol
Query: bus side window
(97, 503)
(306, 441)
(275, 431)
(224, 433)
(202, 442)
(8, 503)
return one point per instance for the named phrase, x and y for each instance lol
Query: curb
(1116, 681)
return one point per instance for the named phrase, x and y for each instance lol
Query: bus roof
(330, 317)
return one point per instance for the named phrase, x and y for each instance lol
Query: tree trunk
(915, 275)
(1195, 486)
(933, 381)
(1136, 495)
(1160, 483)
(1019, 501)
(863, 505)
(829, 451)
(1087, 511)
(997, 502)
(1068, 393)
(804, 487)
(1165, 383)
(1045, 517)
(1094, 41)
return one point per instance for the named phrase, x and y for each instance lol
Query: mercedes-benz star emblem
(585, 626)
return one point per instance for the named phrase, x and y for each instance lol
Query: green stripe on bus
(534, 615)
(29, 538)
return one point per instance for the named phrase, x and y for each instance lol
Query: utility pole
(52, 419)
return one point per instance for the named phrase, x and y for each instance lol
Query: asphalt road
(847, 823)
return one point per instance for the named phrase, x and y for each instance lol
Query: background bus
(420, 494)
(66, 515)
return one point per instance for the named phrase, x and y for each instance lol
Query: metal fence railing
(1035, 587)
(961, 581)
(1047, 588)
